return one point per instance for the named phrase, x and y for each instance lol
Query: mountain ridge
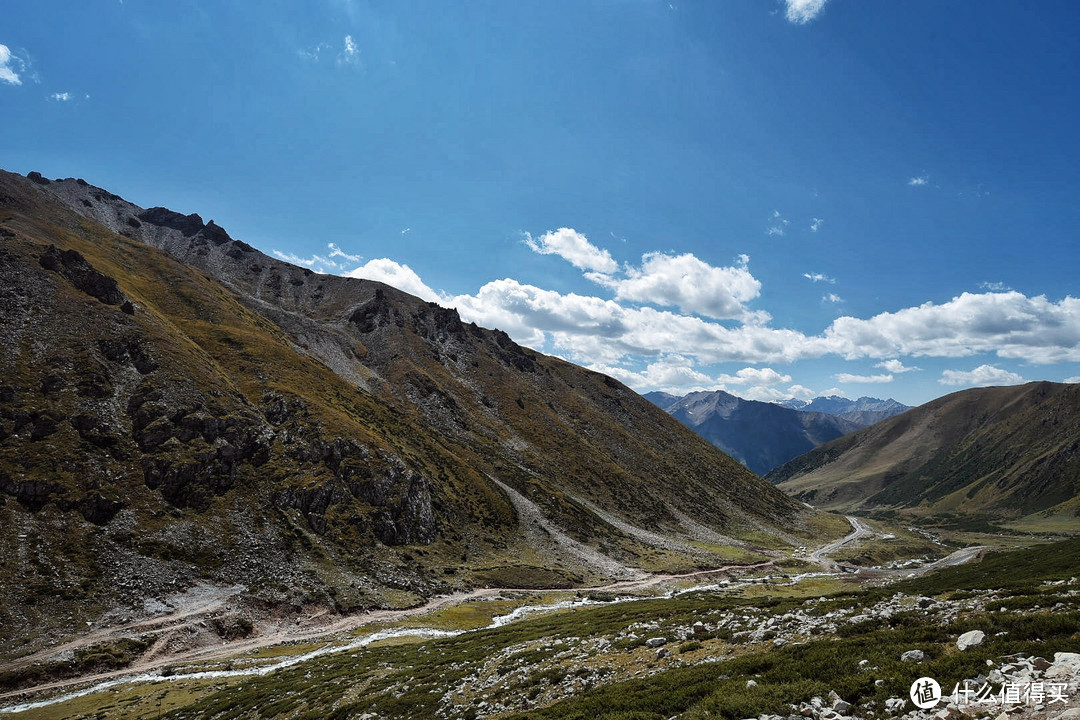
(179, 407)
(760, 435)
(1010, 453)
(763, 435)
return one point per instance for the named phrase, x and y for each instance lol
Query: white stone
(971, 639)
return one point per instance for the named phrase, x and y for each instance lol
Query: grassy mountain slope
(177, 407)
(1005, 452)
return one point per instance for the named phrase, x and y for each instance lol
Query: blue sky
(775, 198)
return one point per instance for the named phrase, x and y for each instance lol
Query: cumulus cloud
(755, 376)
(815, 225)
(665, 316)
(396, 275)
(818, 277)
(895, 366)
(573, 247)
(832, 298)
(60, 97)
(848, 378)
(676, 374)
(982, 376)
(596, 330)
(917, 181)
(801, 12)
(10, 66)
(1009, 325)
(1071, 380)
(688, 283)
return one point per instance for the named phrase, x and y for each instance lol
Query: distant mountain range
(837, 405)
(1005, 452)
(763, 435)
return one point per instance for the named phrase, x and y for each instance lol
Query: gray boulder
(970, 639)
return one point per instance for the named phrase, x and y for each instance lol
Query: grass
(705, 675)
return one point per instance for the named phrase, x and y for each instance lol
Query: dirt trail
(307, 633)
(202, 599)
(323, 626)
(859, 531)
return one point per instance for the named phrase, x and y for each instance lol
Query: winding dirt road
(321, 626)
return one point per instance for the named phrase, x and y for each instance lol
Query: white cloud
(981, 376)
(818, 277)
(777, 224)
(1072, 380)
(573, 247)
(895, 366)
(594, 330)
(335, 251)
(7, 69)
(755, 376)
(690, 284)
(848, 378)
(396, 275)
(917, 181)
(676, 374)
(995, 286)
(311, 262)
(314, 53)
(624, 332)
(60, 97)
(321, 263)
(816, 224)
(350, 55)
(801, 12)
(1009, 325)
(832, 298)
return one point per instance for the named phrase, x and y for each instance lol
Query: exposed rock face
(73, 266)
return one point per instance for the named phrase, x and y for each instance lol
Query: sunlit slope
(1007, 452)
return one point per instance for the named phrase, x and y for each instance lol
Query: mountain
(837, 405)
(179, 410)
(1001, 452)
(760, 435)
(862, 412)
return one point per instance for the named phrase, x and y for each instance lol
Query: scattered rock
(913, 656)
(656, 642)
(970, 639)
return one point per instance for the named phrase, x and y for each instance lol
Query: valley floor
(498, 651)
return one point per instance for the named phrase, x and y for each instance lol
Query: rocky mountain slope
(758, 434)
(1003, 452)
(177, 408)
